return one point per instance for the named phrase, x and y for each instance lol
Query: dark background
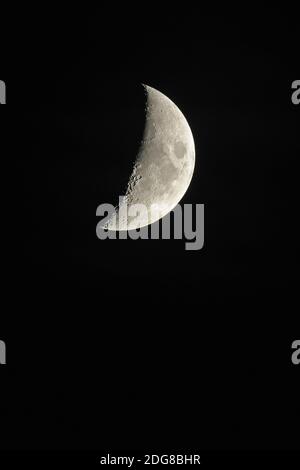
(141, 344)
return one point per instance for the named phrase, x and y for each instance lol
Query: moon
(163, 168)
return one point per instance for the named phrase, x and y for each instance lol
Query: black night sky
(123, 344)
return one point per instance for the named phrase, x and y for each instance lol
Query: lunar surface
(163, 168)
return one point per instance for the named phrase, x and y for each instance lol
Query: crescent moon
(163, 168)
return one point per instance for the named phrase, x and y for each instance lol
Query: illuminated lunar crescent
(163, 168)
